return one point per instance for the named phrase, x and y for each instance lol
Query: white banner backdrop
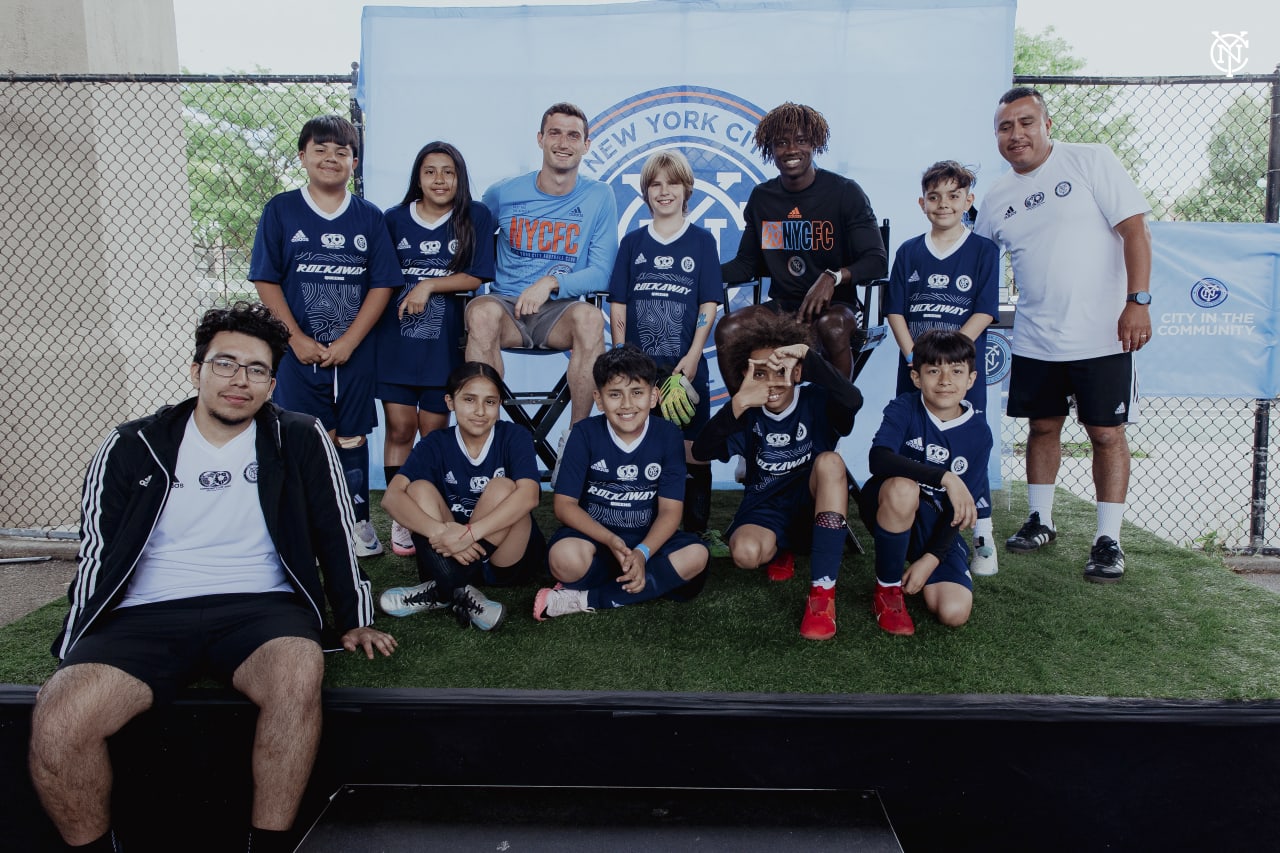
(901, 85)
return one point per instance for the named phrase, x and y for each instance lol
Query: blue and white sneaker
(408, 600)
(471, 606)
(1031, 535)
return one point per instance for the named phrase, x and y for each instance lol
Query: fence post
(1262, 416)
(357, 119)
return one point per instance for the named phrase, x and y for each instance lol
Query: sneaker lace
(1030, 527)
(425, 596)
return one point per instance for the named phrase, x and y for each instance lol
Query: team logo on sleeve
(628, 472)
(653, 471)
(333, 241)
(251, 472)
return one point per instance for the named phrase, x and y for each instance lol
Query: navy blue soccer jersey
(961, 445)
(933, 292)
(662, 283)
(422, 349)
(324, 263)
(618, 486)
(441, 459)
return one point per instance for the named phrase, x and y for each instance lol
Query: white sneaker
(984, 560)
(366, 541)
(557, 601)
(402, 540)
(408, 600)
(564, 439)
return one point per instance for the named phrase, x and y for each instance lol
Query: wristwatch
(834, 274)
(1142, 297)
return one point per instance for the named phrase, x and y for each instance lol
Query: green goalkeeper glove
(677, 399)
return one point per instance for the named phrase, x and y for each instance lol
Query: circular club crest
(251, 472)
(1208, 293)
(959, 465)
(712, 128)
(964, 283)
(998, 357)
(652, 471)
(361, 243)
(1063, 189)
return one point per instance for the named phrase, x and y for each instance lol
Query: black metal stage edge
(960, 772)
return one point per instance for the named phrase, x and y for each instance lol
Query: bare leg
(489, 329)
(513, 540)
(1110, 463)
(569, 559)
(829, 484)
(75, 713)
(751, 546)
(283, 679)
(402, 429)
(580, 329)
(1044, 450)
(835, 328)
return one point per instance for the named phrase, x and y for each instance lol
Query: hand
(369, 638)
(619, 549)
(454, 540)
(534, 296)
(917, 574)
(818, 297)
(753, 393)
(1134, 328)
(677, 400)
(306, 350)
(415, 302)
(962, 503)
(785, 358)
(339, 353)
(633, 575)
(688, 366)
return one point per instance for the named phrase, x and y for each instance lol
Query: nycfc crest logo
(997, 357)
(686, 263)
(963, 283)
(652, 471)
(1063, 189)
(1208, 293)
(251, 472)
(959, 465)
(361, 243)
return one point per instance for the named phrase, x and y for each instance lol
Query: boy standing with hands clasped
(948, 279)
(928, 476)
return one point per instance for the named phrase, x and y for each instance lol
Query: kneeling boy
(797, 490)
(928, 479)
(620, 495)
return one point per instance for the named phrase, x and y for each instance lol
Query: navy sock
(891, 554)
(660, 578)
(697, 499)
(268, 841)
(447, 572)
(828, 547)
(355, 465)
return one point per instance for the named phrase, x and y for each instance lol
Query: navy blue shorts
(427, 399)
(954, 566)
(1104, 389)
(341, 398)
(788, 515)
(170, 644)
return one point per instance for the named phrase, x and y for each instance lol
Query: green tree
(242, 148)
(1079, 113)
(1234, 189)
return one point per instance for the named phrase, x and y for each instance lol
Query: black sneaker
(1031, 535)
(1106, 561)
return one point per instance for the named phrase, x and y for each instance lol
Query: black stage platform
(958, 773)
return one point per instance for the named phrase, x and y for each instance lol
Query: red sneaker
(891, 611)
(819, 622)
(782, 567)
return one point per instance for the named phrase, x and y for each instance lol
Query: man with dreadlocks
(812, 232)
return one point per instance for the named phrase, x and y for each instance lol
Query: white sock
(1109, 517)
(1040, 499)
(983, 529)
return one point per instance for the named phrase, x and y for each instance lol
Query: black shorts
(1104, 390)
(169, 644)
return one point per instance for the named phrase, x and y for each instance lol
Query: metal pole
(1262, 415)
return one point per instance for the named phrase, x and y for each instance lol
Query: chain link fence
(133, 204)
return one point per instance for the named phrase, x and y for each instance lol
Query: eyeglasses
(227, 368)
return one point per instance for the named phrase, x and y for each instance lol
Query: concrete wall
(99, 335)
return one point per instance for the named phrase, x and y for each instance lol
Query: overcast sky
(1146, 37)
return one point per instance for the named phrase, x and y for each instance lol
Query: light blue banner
(1214, 293)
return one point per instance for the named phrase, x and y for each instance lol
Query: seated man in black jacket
(201, 529)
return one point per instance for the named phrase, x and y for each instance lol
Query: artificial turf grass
(1179, 625)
